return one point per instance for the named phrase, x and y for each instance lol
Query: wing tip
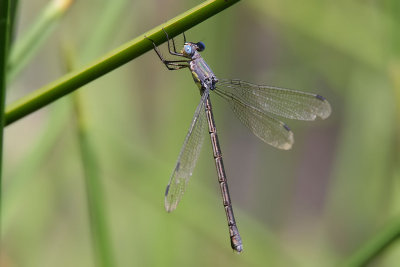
(290, 139)
(288, 145)
(327, 110)
(168, 206)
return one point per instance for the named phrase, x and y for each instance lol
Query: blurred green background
(314, 205)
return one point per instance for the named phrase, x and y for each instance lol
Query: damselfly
(256, 107)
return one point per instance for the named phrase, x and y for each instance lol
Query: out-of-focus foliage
(311, 206)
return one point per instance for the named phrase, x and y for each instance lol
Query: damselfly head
(189, 48)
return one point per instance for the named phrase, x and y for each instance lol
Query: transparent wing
(187, 157)
(278, 101)
(264, 126)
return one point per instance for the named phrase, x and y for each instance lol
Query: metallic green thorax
(202, 74)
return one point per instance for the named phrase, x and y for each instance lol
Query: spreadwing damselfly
(256, 106)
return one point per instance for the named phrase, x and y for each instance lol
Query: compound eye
(201, 46)
(188, 49)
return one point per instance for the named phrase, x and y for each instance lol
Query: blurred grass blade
(110, 19)
(332, 18)
(59, 116)
(94, 191)
(22, 178)
(5, 12)
(30, 42)
(100, 236)
(13, 18)
(101, 243)
(375, 245)
(113, 60)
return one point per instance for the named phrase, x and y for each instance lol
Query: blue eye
(188, 49)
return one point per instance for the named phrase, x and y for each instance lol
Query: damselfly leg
(170, 64)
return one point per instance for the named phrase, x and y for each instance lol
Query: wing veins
(187, 157)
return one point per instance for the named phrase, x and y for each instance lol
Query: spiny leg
(173, 43)
(170, 64)
(175, 66)
(175, 53)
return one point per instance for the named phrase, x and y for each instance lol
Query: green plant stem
(113, 60)
(375, 245)
(5, 11)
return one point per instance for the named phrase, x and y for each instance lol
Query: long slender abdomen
(236, 240)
